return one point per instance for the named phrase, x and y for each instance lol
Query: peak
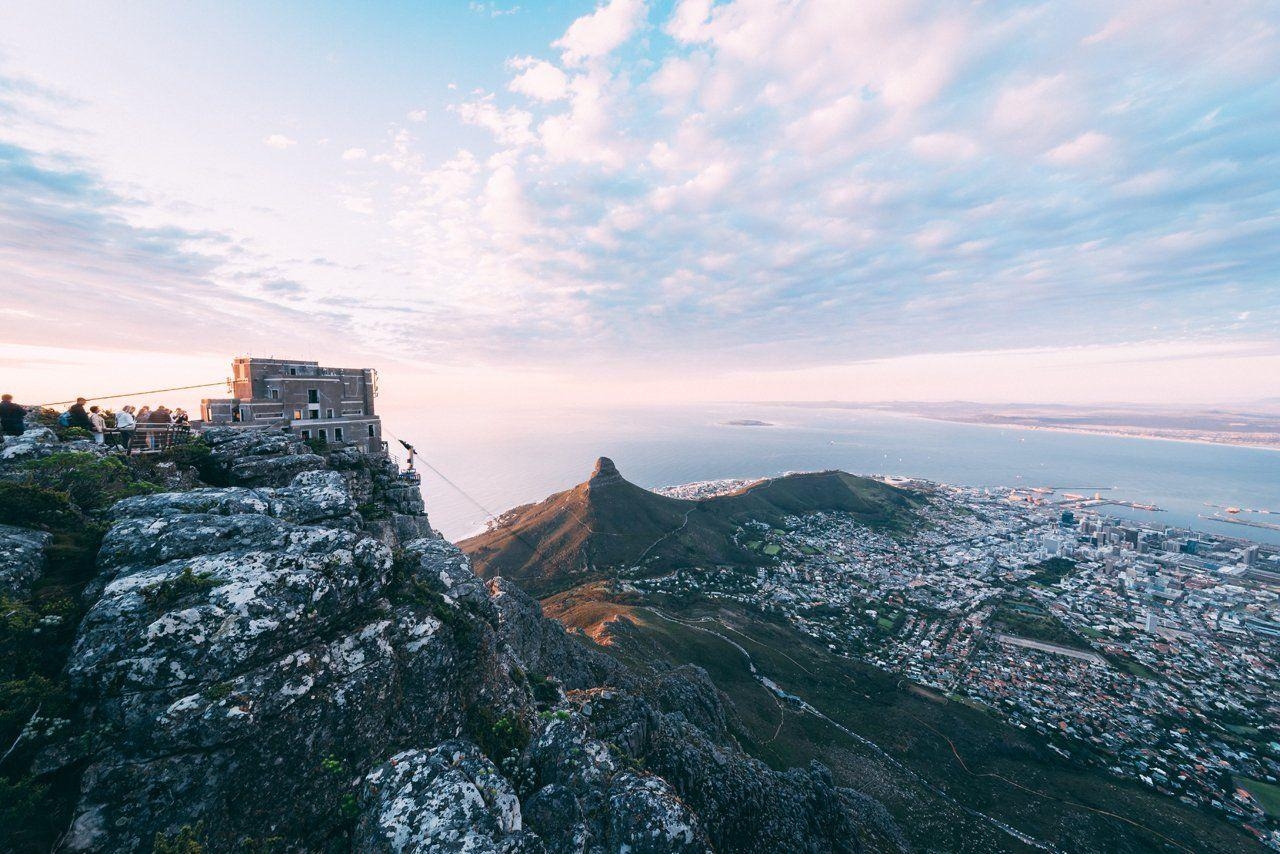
(605, 473)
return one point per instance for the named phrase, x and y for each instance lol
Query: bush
(90, 482)
(185, 841)
(32, 506)
(199, 456)
(497, 737)
(70, 434)
(544, 690)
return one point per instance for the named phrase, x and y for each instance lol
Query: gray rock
(440, 801)
(646, 816)
(22, 560)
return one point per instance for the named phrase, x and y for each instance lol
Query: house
(335, 405)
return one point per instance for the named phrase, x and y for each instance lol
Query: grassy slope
(587, 533)
(913, 725)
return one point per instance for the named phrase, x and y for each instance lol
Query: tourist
(77, 417)
(127, 424)
(97, 425)
(11, 416)
(161, 415)
(181, 418)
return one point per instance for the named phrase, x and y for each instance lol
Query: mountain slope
(607, 524)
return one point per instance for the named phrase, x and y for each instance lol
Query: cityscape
(1144, 650)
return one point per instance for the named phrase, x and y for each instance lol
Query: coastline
(1059, 429)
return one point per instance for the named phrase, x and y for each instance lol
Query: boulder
(440, 801)
(22, 560)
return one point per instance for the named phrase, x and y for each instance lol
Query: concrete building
(313, 402)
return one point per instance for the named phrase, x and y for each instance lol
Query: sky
(641, 201)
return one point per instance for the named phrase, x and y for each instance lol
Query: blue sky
(651, 200)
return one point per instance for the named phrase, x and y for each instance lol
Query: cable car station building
(333, 404)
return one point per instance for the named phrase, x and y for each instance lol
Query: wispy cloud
(746, 183)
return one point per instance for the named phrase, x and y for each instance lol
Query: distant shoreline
(1120, 434)
(1057, 428)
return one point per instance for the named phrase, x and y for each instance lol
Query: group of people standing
(123, 425)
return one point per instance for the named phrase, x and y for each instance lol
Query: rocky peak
(605, 474)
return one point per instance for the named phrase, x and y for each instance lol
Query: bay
(503, 458)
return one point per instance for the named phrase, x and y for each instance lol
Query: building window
(324, 435)
(328, 413)
(293, 372)
(297, 415)
(306, 434)
(313, 395)
(273, 393)
(246, 414)
(372, 432)
(337, 434)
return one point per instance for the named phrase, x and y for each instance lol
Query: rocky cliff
(293, 660)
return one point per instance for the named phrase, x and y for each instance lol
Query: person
(97, 425)
(161, 415)
(11, 416)
(144, 436)
(77, 417)
(127, 424)
(181, 418)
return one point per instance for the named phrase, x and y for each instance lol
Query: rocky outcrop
(265, 664)
(22, 559)
(447, 799)
(38, 442)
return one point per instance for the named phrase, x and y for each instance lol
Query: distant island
(746, 422)
(1257, 426)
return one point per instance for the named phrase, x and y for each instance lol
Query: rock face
(22, 559)
(39, 442)
(273, 664)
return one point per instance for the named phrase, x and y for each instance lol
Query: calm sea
(503, 459)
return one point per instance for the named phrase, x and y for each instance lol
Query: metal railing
(151, 438)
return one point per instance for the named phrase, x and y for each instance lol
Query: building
(332, 404)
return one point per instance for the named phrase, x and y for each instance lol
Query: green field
(1268, 794)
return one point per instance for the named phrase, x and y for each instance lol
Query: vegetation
(544, 690)
(1051, 571)
(1266, 794)
(592, 532)
(65, 495)
(185, 841)
(497, 737)
(1024, 618)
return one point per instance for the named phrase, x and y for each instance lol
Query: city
(1144, 650)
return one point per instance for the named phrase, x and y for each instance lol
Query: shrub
(497, 737)
(544, 690)
(32, 506)
(70, 434)
(90, 482)
(199, 456)
(185, 841)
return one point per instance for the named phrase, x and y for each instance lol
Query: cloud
(781, 183)
(601, 32)
(944, 146)
(355, 154)
(1086, 147)
(538, 79)
(280, 141)
(417, 116)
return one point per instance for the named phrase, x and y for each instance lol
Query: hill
(608, 524)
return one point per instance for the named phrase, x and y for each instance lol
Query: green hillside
(608, 525)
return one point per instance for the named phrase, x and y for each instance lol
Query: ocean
(501, 459)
